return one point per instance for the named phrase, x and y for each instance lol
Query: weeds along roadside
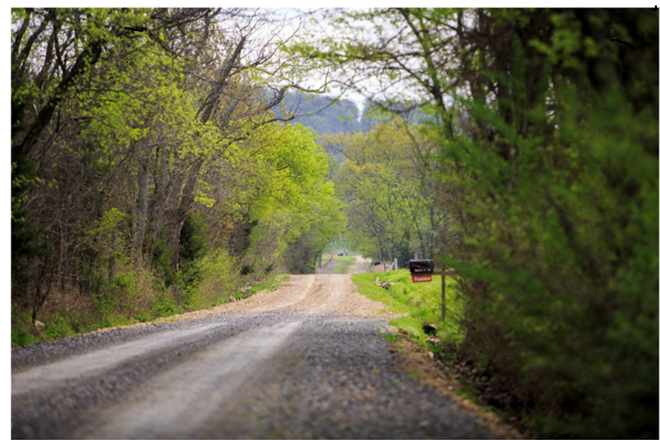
(421, 303)
(135, 296)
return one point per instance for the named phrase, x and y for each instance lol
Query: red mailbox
(421, 270)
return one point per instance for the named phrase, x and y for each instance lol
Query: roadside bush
(219, 276)
(22, 331)
(132, 291)
(560, 250)
(62, 316)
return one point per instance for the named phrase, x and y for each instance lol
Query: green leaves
(388, 212)
(288, 195)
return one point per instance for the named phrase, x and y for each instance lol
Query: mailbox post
(422, 271)
(442, 271)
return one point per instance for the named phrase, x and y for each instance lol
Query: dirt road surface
(308, 360)
(361, 265)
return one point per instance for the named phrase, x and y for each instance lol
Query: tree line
(541, 147)
(387, 182)
(150, 171)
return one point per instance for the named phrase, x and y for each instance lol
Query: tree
(390, 207)
(287, 193)
(55, 51)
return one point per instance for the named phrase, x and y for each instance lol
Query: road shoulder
(421, 364)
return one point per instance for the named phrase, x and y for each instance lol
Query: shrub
(218, 277)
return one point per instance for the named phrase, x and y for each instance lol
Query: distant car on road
(376, 263)
(340, 255)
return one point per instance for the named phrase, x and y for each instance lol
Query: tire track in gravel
(93, 364)
(306, 360)
(181, 400)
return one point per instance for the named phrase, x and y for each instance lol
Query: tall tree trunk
(185, 204)
(161, 199)
(204, 114)
(142, 205)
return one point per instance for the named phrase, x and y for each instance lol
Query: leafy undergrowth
(83, 315)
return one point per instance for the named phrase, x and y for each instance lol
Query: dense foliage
(547, 153)
(149, 172)
(392, 206)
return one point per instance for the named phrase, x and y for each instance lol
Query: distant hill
(323, 114)
(328, 115)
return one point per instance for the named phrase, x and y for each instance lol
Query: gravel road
(361, 265)
(307, 360)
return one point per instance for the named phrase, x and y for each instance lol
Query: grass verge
(420, 302)
(460, 377)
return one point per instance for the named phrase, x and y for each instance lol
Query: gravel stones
(339, 380)
(332, 375)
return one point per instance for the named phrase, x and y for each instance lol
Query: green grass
(420, 302)
(57, 326)
(270, 283)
